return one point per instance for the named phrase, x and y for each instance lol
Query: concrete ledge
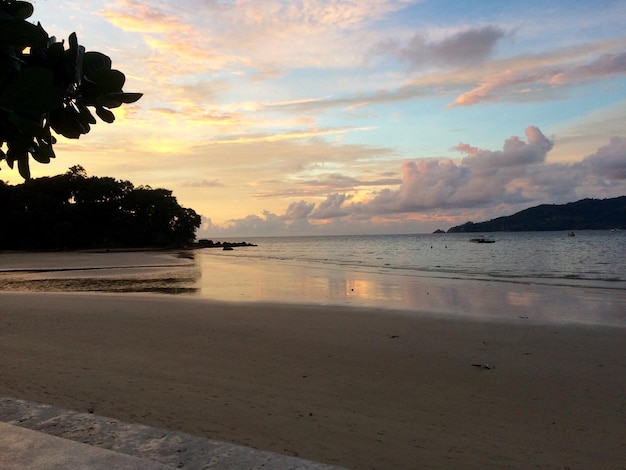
(91, 441)
(22, 448)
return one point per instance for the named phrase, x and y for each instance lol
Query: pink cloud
(332, 207)
(609, 161)
(480, 178)
(509, 83)
(137, 16)
(605, 65)
(299, 210)
(494, 85)
(467, 149)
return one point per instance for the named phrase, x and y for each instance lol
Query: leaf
(25, 126)
(20, 34)
(114, 100)
(93, 88)
(78, 68)
(86, 115)
(43, 152)
(19, 153)
(20, 10)
(105, 115)
(107, 81)
(24, 167)
(31, 91)
(110, 100)
(73, 58)
(56, 60)
(65, 121)
(85, 121)
(73, 40)
(94, 62)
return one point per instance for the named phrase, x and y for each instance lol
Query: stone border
(172, 448)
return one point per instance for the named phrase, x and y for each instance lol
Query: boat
(482, 240)
(571, 234)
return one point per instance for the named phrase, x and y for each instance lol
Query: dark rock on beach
(204, 243)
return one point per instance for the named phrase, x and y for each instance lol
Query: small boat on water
(571, 234)
(482, 240)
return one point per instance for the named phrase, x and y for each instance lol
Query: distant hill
(586, 214)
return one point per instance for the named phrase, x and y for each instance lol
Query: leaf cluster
(46, 88)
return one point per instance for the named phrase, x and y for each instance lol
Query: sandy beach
(360, 388)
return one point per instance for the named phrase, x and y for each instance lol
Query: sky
(321, 117)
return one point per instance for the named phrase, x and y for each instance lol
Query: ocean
(588, 258)
(541, 276)
(527, 276)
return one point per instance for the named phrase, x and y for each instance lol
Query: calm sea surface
(594, 258)
(541, 276)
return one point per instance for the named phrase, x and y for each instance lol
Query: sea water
(594, 258)
(543, 276)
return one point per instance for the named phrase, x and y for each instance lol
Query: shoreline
(357, 387)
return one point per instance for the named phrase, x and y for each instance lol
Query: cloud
(515, 152)
(609, 161)
(203, 184)
(538, 81)
(299, 210)
(293, 222)
(480, 178)
(138, 16)
(297, 134)
(482, 185)
(338, 182)
(606, 65)
(465, 48)
(267, 36)
(332, 207)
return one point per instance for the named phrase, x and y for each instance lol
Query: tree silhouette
(45, 87)
(72, 211)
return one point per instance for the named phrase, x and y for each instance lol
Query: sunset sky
(337, 117)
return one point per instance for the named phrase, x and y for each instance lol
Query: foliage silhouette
(45, 87)
(74, 211)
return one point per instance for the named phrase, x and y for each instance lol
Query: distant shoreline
(586, 214)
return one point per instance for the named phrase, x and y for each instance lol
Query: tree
(46, 88)
(72, 211)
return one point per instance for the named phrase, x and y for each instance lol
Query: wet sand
(361, 388)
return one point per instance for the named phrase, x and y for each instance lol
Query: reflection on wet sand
(100, 272)
(166, 285)
(242, 280)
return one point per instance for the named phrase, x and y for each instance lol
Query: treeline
(74, 211)
(586, 214)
